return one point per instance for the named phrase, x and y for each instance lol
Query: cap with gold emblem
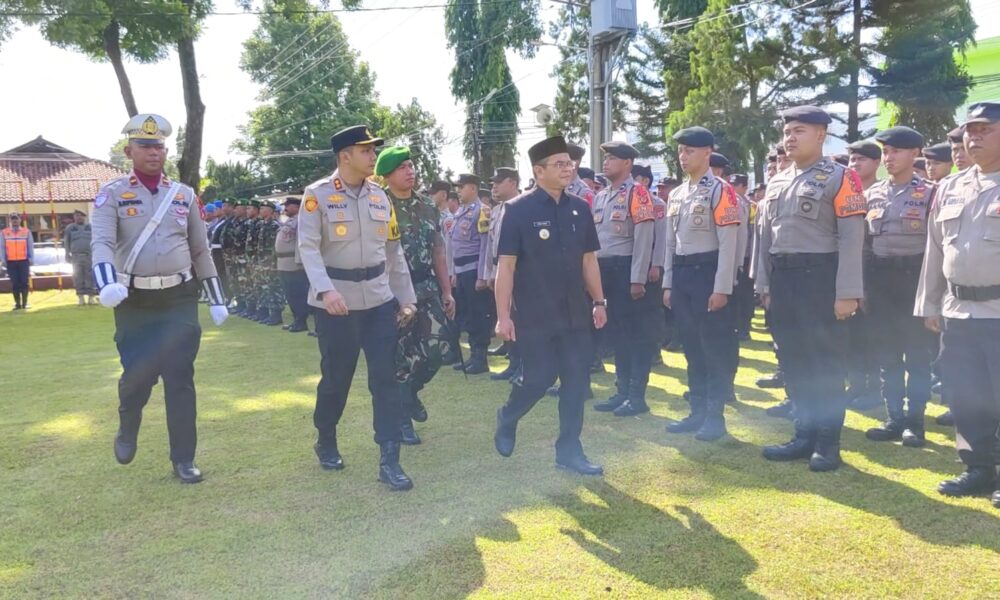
(359, 135)
(147, 128)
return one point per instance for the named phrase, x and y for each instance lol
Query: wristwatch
(603, 302)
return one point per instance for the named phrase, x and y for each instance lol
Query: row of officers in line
(928, 251)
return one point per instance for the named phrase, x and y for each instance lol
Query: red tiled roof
(40, 164)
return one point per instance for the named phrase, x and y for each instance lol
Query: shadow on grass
(657, 548)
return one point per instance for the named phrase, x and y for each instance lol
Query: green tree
(411, 125)
(231, 180)
(920, 75)
(313, 84)
(571, 32)
(481, 32)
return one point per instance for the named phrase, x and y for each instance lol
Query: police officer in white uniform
(348, 242)
(149, 248)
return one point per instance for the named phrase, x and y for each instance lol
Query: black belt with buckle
(975, 293)
(356, 275)
(461, 261)
(799, 260)
(700, 258)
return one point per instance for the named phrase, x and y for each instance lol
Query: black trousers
(220, 268)
(862, 362)
(812, 343)
(634, 326)
(743, 300)
(296, 286)
(475, 309)
(158, 336)
(19, 272)
(904, 348)
(969, 350)
(341, 338)
(711, 345)
(565, 355)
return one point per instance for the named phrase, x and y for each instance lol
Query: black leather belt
(975, 293)
(356, 275)
(700, 258)
(898, 262)
(800, 260)
(461, 261)
(615, 261)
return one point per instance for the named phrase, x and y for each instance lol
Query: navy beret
(575, 152)
(813, 115)
(920, 164)
(502, 173)
(983, 112)
(546, 148)
(939, 152)
(718, 160)
(467, 178)
(620, 150)
(440, 186)
(585, 173)
(866, 148)
(739, 179)
(901, 137)
(957, 135)
(841, 159)
(642, 171)
(696, 137)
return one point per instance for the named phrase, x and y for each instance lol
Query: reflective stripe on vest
(16, 243)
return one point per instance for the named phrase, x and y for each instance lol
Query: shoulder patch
(850, 200)
(483, 223)
(727, 211)
(641, 205)
(310, 204)
(393, 223)
(101, 199)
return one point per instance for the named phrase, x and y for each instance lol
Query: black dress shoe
(125, 447)
(408, 435)
(187, 472)
(579, 464)
(777, 380)
(889, 431)
(504, 437)
(610, 404)
(630, 408)
(975, 480)
(389, 471)
(329, 456)
(296, 327)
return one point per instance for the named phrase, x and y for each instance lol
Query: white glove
(113, 294)
(219, 314)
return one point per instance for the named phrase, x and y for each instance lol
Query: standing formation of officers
(399, 276)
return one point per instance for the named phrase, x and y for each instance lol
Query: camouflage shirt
(250, 241)
(267, 233)
(420, 234)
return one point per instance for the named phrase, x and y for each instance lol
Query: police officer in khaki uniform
(897, 226)
(293, 276)
(959, 295)
(149, 245)
(578, 187)
(626, 222)
(76, 241)
(505, 187)
(959, 155)
(810, 274)
(938, 157)
(702, 244)
(349, 245)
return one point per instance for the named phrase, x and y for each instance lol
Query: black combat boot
(389, 471)
(714, 425)
(477, 363)
(273, 318)
(408, 435)
(249, 311)
(800, 446)
(975, 481)
(692, 422)
(328, 453)
(893, 427)
(298, 325)
(263, 314)
(913, 434)
(826, 452)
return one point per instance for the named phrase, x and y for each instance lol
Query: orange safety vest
(16, 243)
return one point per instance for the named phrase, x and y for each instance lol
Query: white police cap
(148, 128)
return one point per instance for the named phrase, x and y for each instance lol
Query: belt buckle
(155, 282)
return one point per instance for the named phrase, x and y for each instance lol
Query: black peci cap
(546, 148)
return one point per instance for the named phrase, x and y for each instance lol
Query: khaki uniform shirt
(819, 209)
(963, 246)
(703, 216)
(121, 210)
(626, 221)
(286, 247)
(897, 216)
(347, 228)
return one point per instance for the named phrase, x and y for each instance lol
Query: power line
(221, 13)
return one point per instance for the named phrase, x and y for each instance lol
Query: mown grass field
(673, 517)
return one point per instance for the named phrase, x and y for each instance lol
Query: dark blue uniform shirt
(549, 239)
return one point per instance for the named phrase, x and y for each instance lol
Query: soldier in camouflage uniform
(272, 297)
(254, 305)
(427, 337)
(232, 256)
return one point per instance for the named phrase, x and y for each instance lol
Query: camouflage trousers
(232, 274)
(422, 343)
(252, 291)
(243, 282)
(272, 294)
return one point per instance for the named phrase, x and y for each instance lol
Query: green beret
(255, 203)
(390, 158)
